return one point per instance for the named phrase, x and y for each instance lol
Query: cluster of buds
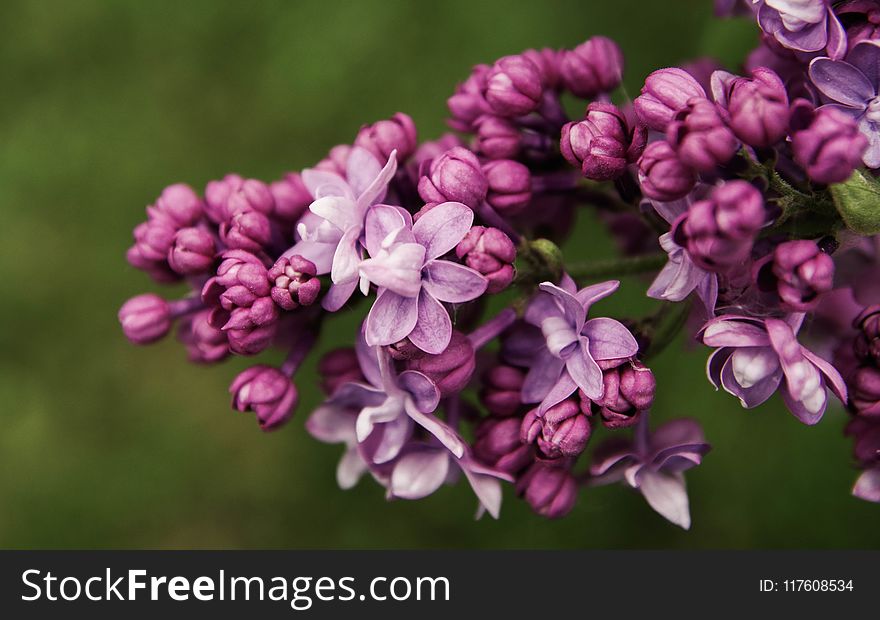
(753, 186)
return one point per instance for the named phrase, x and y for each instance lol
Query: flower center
(753, 364)
(560, 336)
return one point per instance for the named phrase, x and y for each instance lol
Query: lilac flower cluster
(753, 193)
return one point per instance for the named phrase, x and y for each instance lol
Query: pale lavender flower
(755, 355)
(802, 25)
(330, 234)
(654, 463)
(404, 263)
(854, 88)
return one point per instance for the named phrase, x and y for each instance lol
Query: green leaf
(858, 201)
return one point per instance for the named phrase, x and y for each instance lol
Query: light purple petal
(368, 359)
(350, 469)
(589, 295)
(572, 309)
(609, 339)
(681, 431)
(809, 415)
(433, 329)
(321, 183)
(331, 423)
(832, 376)
(841, 82)
(380, 222)
(837, 40)
(391, 319)
(441, 228)
(715, 363)
(399, 270)
(865, 57)
(439, 429)
(542, 376)
(725, 332)
(667, 494)
(347, 257)
(451, 282)
(337, 295)
(719, 82)
(584, 370)
(707, 292)
(339, 211)
(361, 168)
(754, 395)
(387, 411)
(375, 192)
(800, 375)
(542, 306)
(564, 388)
(871, 131)
(867, 485)
(488, 491)
(420, 473)
(394, 435)
(609, 460)
(423, 391)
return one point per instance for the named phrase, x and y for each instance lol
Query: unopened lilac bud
(468, 103)
(252, 195)
(666, 91)
(192, 251)
(513, 86)
(802, 272)
(384, 137)
(246, 230)
(700, 136)
(252, 339)
(404, 350)
(154, 237)
(663, 176)
(158, 270)
(455, 176)
(291, 197)
(629, 390)
(719, 232)
(490, 252)
(145, 318)
(867, 345)
(865, 391)
(336, 160)
(549, 63)
(338, 367)
(217, 194)
(267, 392)
(563, 430)
(204, 343)
(450, 370)
(593, 67)
(497, 137)
(294, 282)
(601, 144)
(829, 146)
(510, 186)
(550, 491)
(758, 108)
(251, 283)
(498, 445)
(181, 204)
(501, 392)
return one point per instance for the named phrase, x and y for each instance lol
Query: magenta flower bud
(510, 186)
(513, 86)
(719, 232)
(501, 392)
(550, 491)
(601, 144)
(758, 108)
(867, 345)
(192, 251)
(663, 176)
(217, 194)
(455, 176)
(549, 63)
(158, 270)
(145, 318)
(700, 137)
(802, 272)
(490, 252)
(450, 370)
(592, 68)
(497, 137)
(563, 430)
(666, 91)
(267, 392)
(338, 367)
(251, 283)
(294, 282)
(468, 103)
(497, 445)
(291, 197)
(153, 238)
(181, 204)
(205, 344)
(827, 143)
(865, 391)
(383, 137)
(336, 160)
(252, 195)
(252, 339)
(246, 230)
(629, 390)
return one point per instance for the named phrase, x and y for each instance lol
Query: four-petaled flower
(802, 25)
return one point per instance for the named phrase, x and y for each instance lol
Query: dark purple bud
(700, 137)
(663, 175)
(601, 144)
(802, 272)
(719, 232)
(251, 195)
(592, 68)
(468, 103)
(145, 318)
(294, 282)
(513, 86)
(252, 339)
(490, 252)
(267, 392)
(291, 197)
(758, 108)
(865, 391)
(549, 63)
(826, 142)
(204, 343)
(497, 137)
(629, 390)
(455, 176)
(501, 390)
(666, 91)
(381, 138)
(450, 370)
(498, 445)
(192, 251)
(246, 230)
(181, 204)
(867, 345)
(217, 194)
(338, 367)
(563, 430)
(510, 186)
(550, 491)
(336, 160)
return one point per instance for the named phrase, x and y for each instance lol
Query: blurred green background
(108, 445)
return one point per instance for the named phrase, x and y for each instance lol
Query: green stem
(612, 267)
(663, 326)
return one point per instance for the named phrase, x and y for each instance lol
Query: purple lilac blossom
(802, 25)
